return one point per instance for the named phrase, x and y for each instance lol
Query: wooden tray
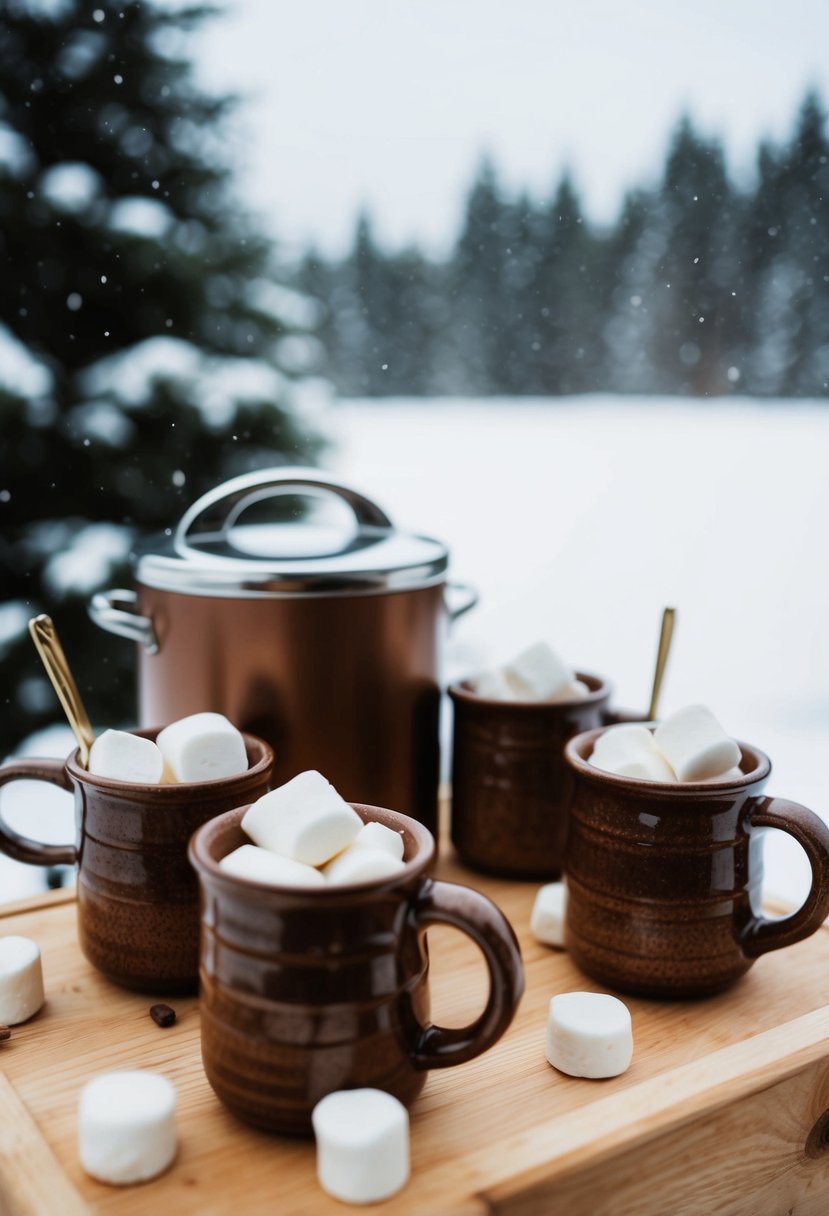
(722, 1112)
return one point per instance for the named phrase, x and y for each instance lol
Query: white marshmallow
(538, 674)
(547, 919)
(589, 1034)
(125, 757)
(574, 691)
(362, 1145)
(127, 1126)
(305, 819)
(261, 865)
(375, 835)
(494, 685)
(695, 745)
(629, 751)
(649, 766)
(203, 747)
(362, 865)
(620, 742)
(733, 774)
(21, 980)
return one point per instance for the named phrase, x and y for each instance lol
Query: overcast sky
(392, 102)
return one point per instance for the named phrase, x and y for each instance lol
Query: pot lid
(211, 553)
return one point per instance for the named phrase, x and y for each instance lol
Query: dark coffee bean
(5, 1033)
(163, 1015)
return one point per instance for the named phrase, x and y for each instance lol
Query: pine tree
(631, 254)
(691, 296)
(790, 225)
(476, 289)
(138, 314)
(561, 315)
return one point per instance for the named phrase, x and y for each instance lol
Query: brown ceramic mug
(509, 779)
(306, 992)
(138, 912)
(664, 880)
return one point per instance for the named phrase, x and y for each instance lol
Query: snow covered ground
(578, 520)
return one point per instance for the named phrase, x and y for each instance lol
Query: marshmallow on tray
(261, 865)
(202, 747)
(589, 1034)
(305, 819)
(127, 1126)
(21, 980)
(362, 1145)
(695, 745)
(122, 756)
(362, 865)
(547, 919)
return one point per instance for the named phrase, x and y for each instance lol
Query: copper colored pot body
(306, 992)
(509, 779)
(347, 684)
(664, 880)
(138, 899)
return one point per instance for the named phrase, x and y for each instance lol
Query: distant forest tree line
(698, 288)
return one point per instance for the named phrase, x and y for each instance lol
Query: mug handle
(811, 833)
(448, 903)
(23, 848)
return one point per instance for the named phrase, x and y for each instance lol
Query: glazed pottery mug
(138, 913)
(304, 992)
(509, 779)
(664, 880)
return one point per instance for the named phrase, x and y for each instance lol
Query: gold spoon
(45, 638)
(665, 636)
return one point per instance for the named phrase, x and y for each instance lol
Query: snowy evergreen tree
(145, 349)
(790, 224)
(632, 253)
(697, 288)
(690, 295)
(476, 273)
(561, 310)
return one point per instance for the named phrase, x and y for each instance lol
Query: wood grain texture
(31, 1181)
(712, 1116)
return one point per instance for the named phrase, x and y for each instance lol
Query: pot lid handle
(215, 513)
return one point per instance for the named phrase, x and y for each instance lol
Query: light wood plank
(31, 1181)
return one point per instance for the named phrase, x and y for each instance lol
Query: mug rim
(203, 862)
(580, 746)
(172, 791)
(461, 691)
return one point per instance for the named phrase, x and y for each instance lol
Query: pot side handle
(464, 597)
(215, 513)
(114, 611)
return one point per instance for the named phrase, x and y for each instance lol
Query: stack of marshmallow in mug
(690, 745)
(203, 747)
(305, 835)
(537, 674)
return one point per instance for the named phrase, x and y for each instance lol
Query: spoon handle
(665, 636)
(45, 638)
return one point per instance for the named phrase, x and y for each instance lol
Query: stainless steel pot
(324, 641)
